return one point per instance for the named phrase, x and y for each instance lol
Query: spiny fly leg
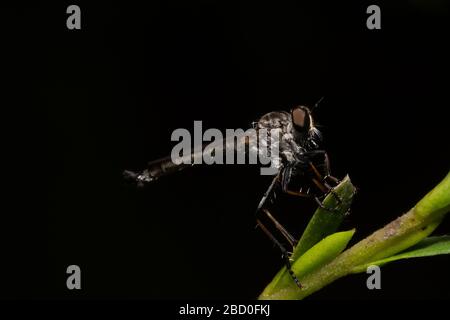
(287, 261)
(333, 179)
(329, 177)
(262, 209)
(285, 254)
(325, 207)
(269, 192)
(292, 241)
(321, 183)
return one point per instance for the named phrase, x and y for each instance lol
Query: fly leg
(328, 175)
(308, 195)
(268, 193)
(280, 228)
(261, 208)
(320, 182)
(324, 186)
(284, 252)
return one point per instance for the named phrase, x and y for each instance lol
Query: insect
(302, 167)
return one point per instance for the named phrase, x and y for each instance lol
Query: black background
(88, 104)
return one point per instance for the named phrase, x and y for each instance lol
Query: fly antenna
(317, 103)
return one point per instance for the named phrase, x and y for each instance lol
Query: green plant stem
(398, 235)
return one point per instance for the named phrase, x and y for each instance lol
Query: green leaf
(324, 222)
(436, 203)
(431, 246)
(397, 236)
(319, 255)
(322, 253)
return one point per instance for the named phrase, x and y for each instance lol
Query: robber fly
(303, 169)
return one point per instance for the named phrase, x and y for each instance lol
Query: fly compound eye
(301, 118)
